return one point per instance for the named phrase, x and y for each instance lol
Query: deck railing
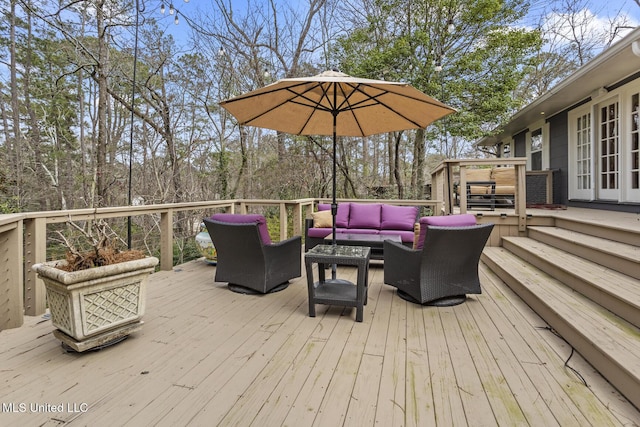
(23, 241)
(442, 183)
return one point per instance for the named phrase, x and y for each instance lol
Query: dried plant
(103, 250)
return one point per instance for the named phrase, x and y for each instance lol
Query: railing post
(521, 197)
(283, 221)
(297, 219)
(549, 186)
(35, 251)
(462, 189)
(166, 240)
(11, 282)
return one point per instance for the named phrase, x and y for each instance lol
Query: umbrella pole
(334, 204)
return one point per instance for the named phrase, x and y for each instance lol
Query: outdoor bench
(490, 187)
(362, 218)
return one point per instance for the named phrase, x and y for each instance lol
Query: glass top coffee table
(374, 241)
(338, 291)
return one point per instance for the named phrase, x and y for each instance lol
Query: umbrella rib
(318, 105)
(289, 89)
(375, 99)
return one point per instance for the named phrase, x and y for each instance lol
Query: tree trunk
(243, 164)
(35, 138)
(417, 168)
(15, 104)
(396, 164)
(102, 70)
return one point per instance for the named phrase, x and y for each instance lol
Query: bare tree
(573, 34)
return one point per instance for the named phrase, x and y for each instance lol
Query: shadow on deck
(207, 356)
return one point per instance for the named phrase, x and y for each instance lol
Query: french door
(608, 151)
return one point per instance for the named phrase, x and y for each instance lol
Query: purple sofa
(362, 218)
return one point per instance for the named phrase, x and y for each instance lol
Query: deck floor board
(208, 356)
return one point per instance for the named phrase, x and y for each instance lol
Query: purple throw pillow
(246, 219)
(398, 217)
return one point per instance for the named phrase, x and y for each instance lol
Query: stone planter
(205, 246)
(94, 307)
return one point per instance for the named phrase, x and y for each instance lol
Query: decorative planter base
(99, 341)
(92, 307)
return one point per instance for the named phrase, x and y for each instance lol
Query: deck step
(619, 256)
(624, 233)
(608, 342)
(617, 292)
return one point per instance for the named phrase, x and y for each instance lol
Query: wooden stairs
(584, 281)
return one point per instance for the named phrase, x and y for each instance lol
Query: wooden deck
(207, 356)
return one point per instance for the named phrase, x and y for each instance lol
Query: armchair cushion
(247, 219)
(480, 174)
(504, 176)
(442, 221)
(505, 179)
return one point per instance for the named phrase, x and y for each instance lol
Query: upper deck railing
(442, 183)
(23, 240)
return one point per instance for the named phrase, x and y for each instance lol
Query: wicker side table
(338, 291)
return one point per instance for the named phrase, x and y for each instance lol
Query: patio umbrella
(334, 103)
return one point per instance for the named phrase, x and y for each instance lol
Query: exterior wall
(520, 144)
(559, 156)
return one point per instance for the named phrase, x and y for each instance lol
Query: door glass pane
(609, 155)
(635, 150)
(583, 151)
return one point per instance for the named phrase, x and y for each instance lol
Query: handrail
(23, 242)
(35, 237)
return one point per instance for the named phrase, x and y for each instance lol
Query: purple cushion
(365, 215)
(318, 232)
(443, 221)
(342, 217)
(362, 231)
(247, 219)
(406, 236)
(398, 217)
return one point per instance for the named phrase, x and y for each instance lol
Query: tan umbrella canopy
(334, 103)
(362, 107)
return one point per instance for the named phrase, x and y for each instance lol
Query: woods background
(76, 131)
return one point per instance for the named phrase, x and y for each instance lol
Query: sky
(602, 11)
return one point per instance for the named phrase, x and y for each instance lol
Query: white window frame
(628, 193)
(610, 194)
(574, 191)
(544, 127)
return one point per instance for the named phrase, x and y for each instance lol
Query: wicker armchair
(247, 259)
(441, 273)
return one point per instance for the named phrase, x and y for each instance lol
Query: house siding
(559, 156)
(519, 144)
